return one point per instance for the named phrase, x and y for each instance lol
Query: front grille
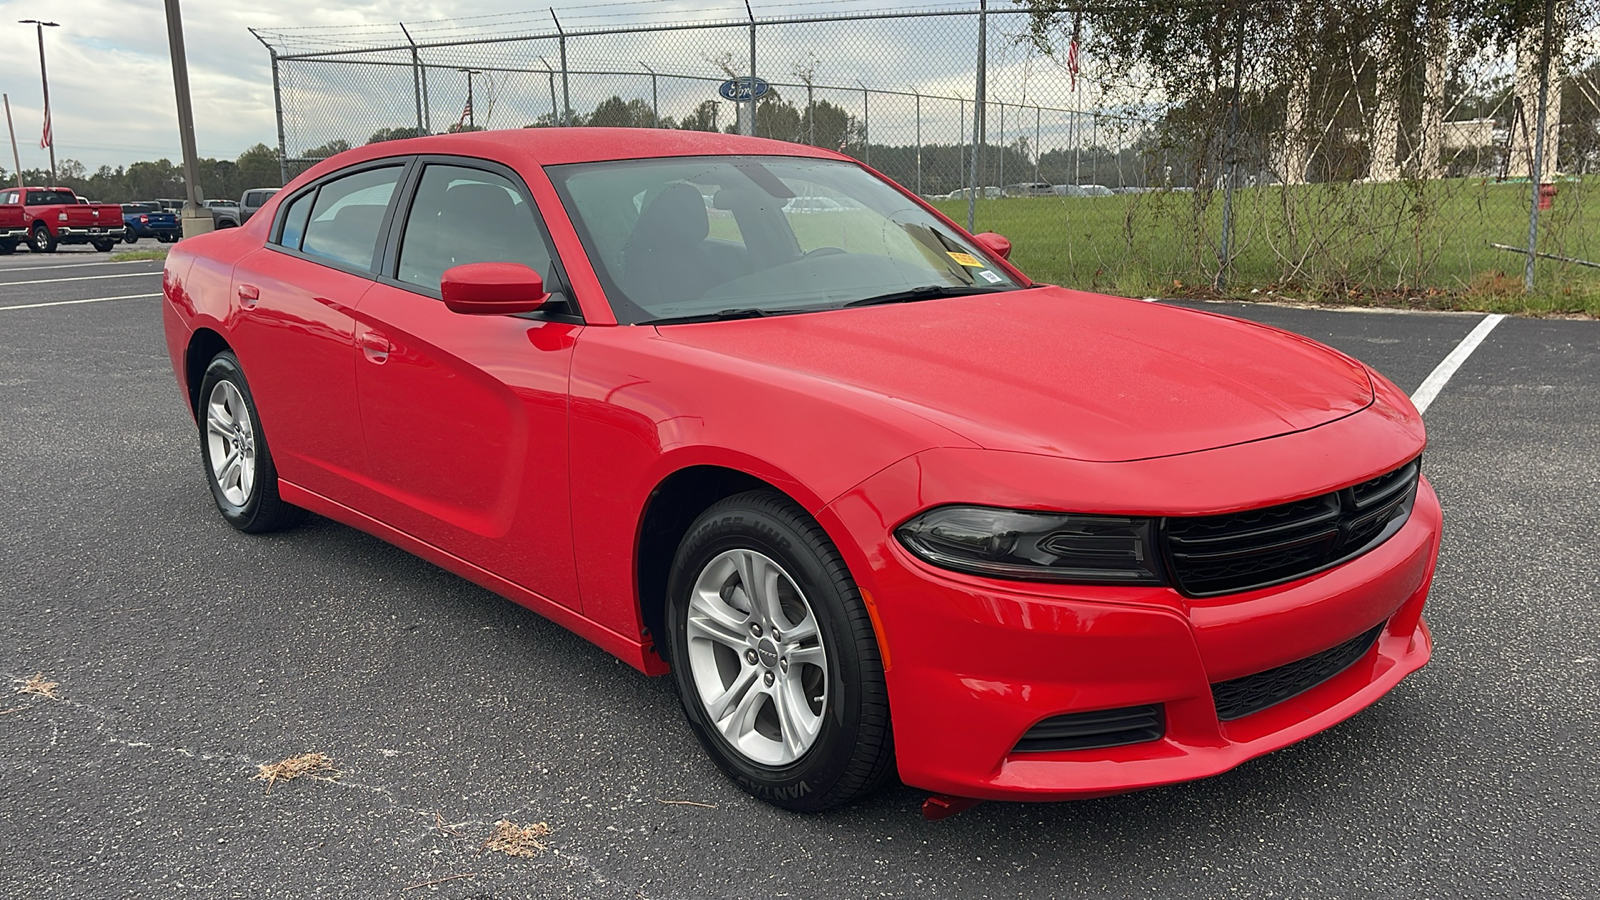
(1240, 697)
(1095, 730)
(1211, 555)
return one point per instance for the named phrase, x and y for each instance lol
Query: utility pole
(48, 136)
(15, 156)
(194, 222)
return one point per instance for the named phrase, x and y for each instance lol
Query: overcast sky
(111, 80)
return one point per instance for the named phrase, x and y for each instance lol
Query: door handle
(248, 295)
(375, 347)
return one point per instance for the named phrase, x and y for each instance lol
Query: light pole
(472, 114)
(47, 137)
(194, 220)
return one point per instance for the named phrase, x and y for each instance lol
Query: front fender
(643, 408)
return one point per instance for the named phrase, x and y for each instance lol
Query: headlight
(1036, 546)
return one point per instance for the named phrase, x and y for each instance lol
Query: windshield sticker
(989, 276)
(966, 259)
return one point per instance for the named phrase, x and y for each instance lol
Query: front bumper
(13, 234)
(974, 663)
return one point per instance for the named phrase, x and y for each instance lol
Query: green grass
(1423, 245)
(131, 255)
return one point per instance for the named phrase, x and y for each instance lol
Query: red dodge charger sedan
(749, 413)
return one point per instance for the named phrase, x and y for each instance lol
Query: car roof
(559, 146)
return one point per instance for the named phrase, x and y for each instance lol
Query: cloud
(111, 80)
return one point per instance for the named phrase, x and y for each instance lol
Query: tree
(701, 118)
(614, 112)
(778, 119)
(258, 167)
(337, 145)
(158, 178)
(834, 128)
(399, 133)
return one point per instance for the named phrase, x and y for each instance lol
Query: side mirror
(492, 289)
(994, 243)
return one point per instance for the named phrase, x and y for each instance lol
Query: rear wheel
(104, 246)
(7, 248)
(40, 239)
(775, 658)
(238, 464)
(129, 235)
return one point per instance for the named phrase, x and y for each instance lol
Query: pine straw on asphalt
(515, 840)
(311, 765)
(39, 686)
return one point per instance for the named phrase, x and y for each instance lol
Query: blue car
(148, 220)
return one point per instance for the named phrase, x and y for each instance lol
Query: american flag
(45, 139)
(1072, 50)
(466, 113)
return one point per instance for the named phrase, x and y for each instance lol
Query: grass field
(1403, 244)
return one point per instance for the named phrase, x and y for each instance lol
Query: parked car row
(46, 217)
(1043, 189)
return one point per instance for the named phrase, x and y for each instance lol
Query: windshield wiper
(744, 312)
(926, 292)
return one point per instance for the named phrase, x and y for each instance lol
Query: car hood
(1065, 373)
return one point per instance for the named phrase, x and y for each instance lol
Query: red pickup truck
(54, 215)
(13, 227)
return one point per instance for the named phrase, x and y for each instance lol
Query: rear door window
(347, 216)
(294, 220)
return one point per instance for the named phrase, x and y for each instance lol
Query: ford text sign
(742, 89)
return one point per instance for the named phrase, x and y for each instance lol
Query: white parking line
(79, 278)
(71, 302)
(104, 262)
(1436, 380)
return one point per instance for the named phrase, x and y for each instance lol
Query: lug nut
(755, 628)
(776, 636)
(751, 657)
(768, 679)
(784, 665)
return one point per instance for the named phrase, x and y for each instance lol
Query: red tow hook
(942, 806)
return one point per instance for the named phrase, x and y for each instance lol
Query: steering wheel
(822, 251)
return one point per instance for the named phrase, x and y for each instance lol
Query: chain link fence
(1354, 174)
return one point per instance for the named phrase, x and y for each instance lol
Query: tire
(129, 235)
(246, 491)
(830, 743)
(40, 240)
(7, 248)
(104, 246)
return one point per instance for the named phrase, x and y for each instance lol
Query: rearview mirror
(492, 289)
(994, 243)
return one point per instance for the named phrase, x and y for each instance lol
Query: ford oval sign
(742, 89)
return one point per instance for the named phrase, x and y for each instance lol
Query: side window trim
(407, 166)
(388, 273)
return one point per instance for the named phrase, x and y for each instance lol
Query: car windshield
(729, 236)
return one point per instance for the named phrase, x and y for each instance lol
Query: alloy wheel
(757, 658)
(230, 443)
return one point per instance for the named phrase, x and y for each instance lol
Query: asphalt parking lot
(188, 654)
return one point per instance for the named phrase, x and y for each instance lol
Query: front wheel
(775, 658)
(238, 465)
(129, 235)
(7, 248)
